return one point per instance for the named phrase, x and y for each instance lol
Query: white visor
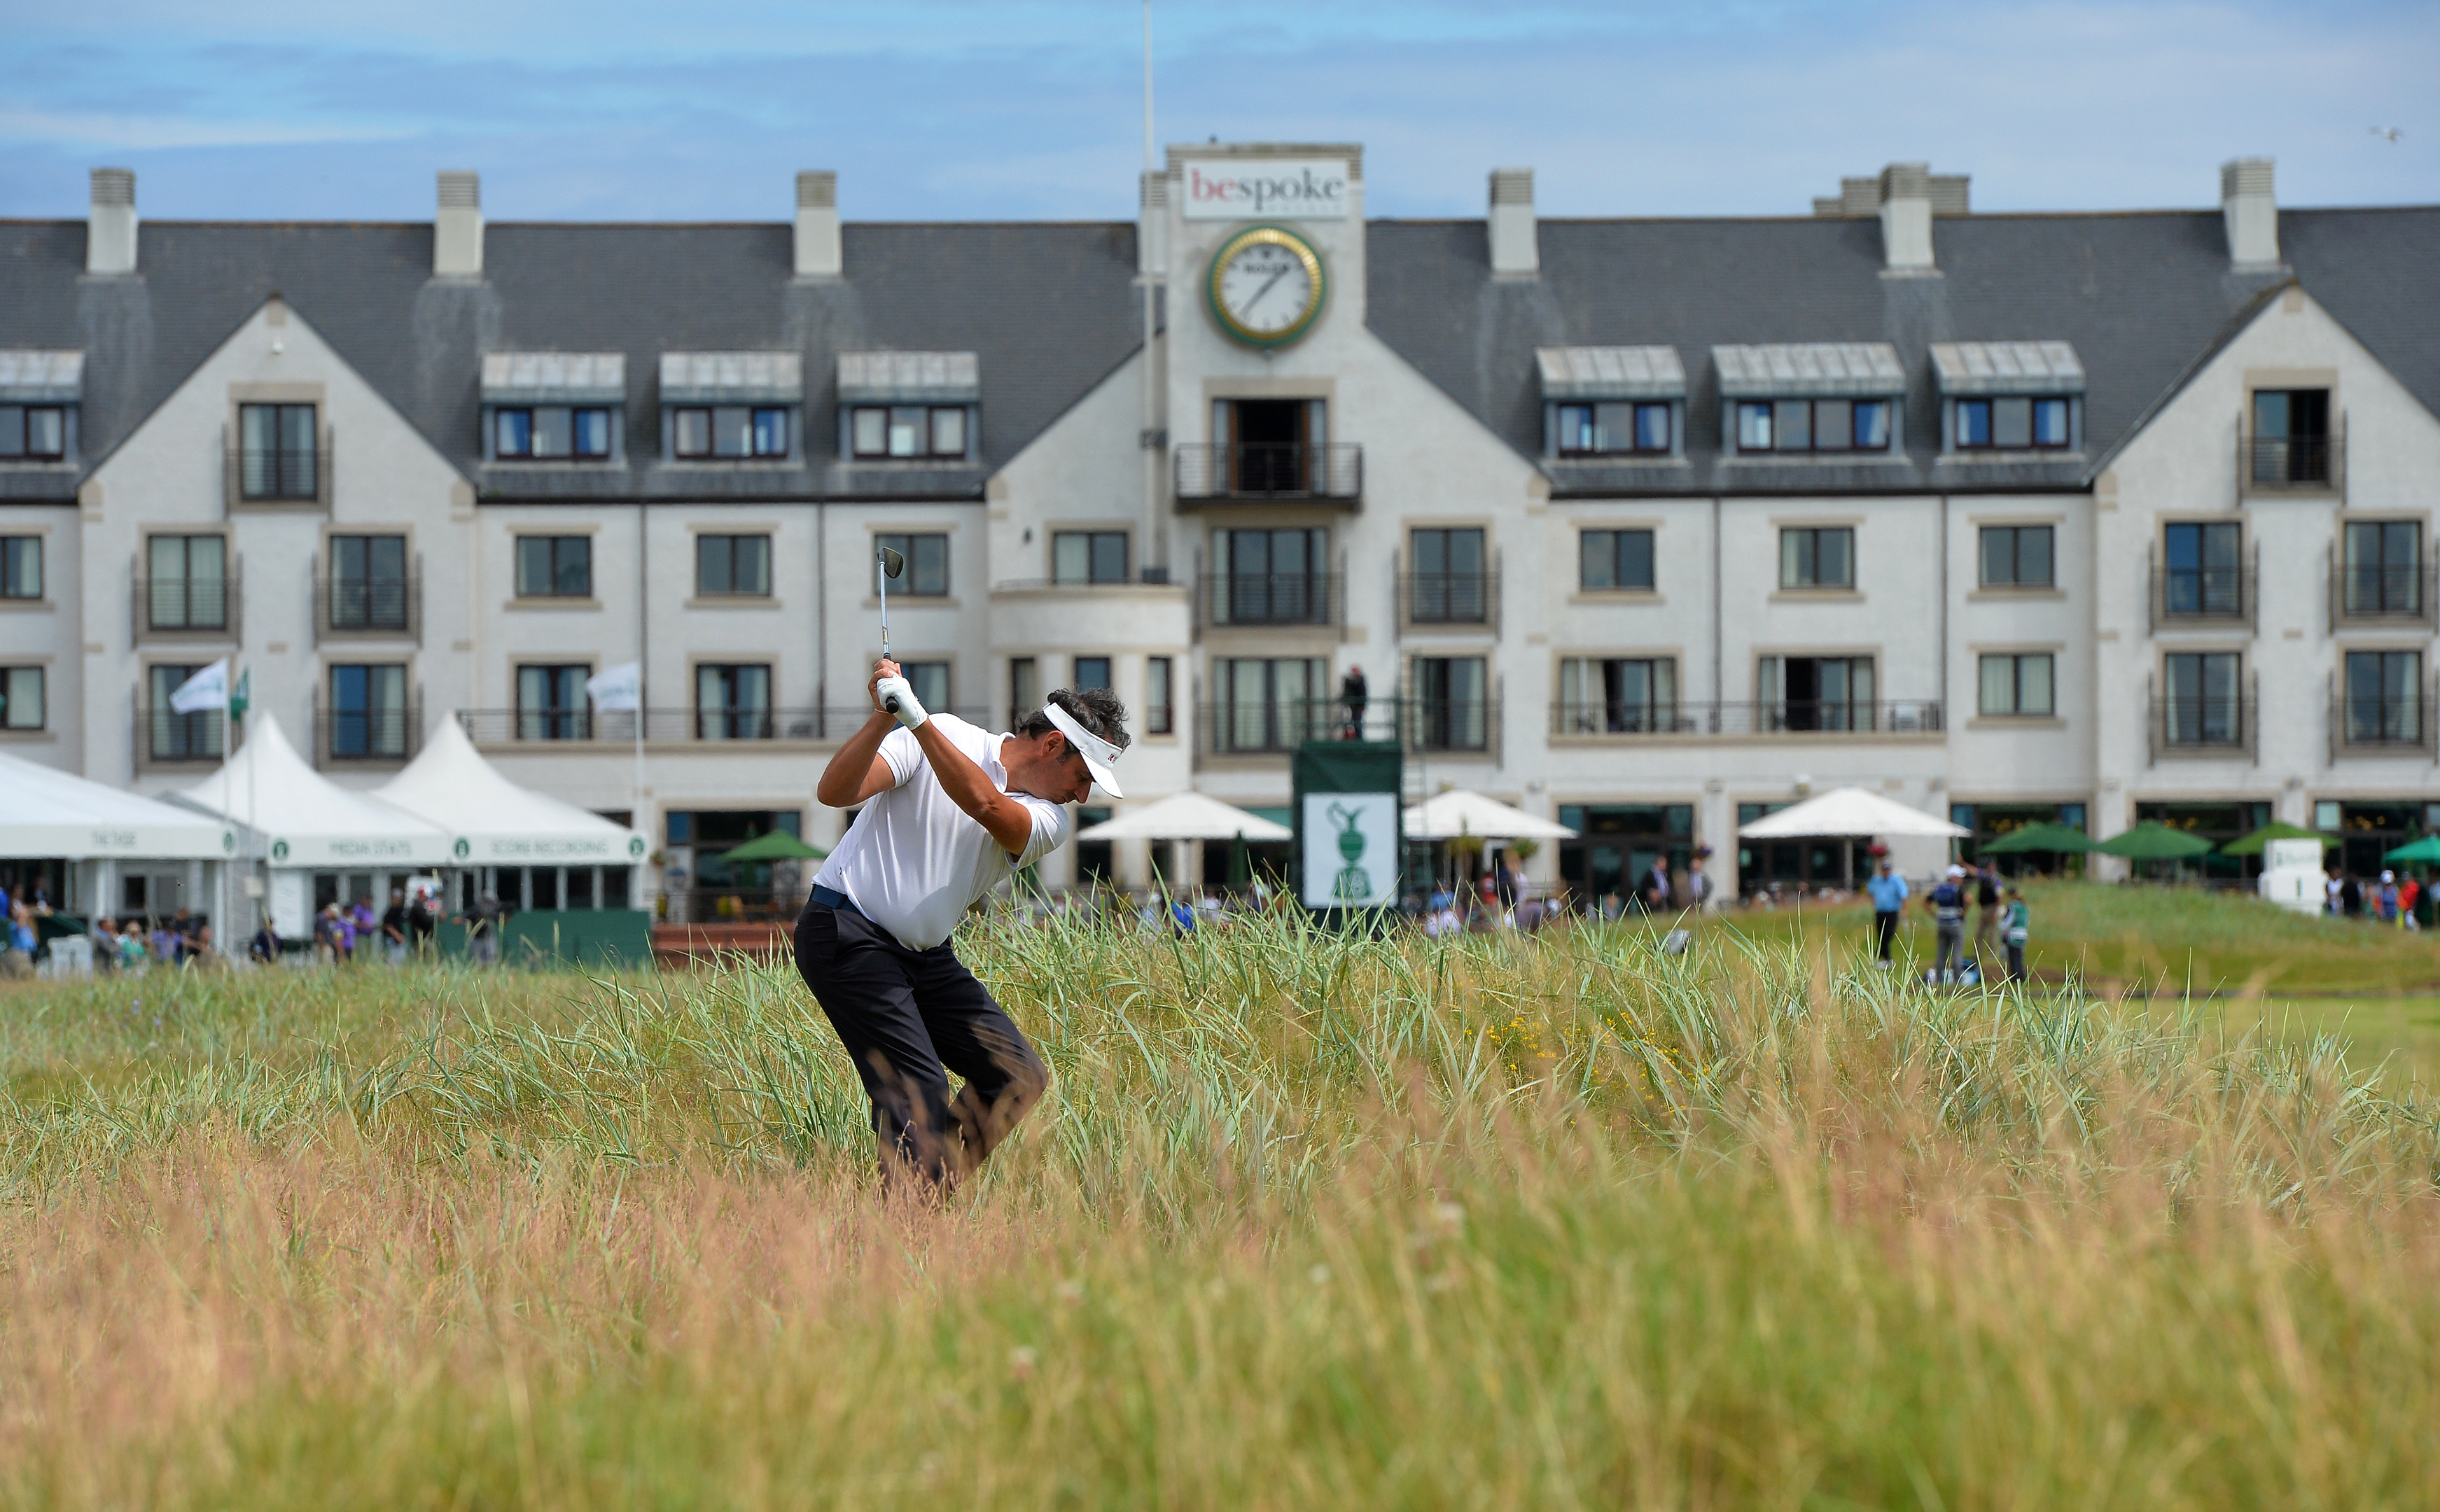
(1100, 755)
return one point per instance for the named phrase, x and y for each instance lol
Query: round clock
(1266, 286)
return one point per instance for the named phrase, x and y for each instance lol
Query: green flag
(238, 700)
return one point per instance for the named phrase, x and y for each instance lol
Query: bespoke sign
(1280, 188)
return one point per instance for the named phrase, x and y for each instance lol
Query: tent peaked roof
(45, 811)
(1850, 812)
(302, 818)
(1187, 816)
(491, 821)
(1463, 812)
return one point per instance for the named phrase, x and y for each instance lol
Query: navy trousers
(904, 1016)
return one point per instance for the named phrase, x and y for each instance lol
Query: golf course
(1550, 1221)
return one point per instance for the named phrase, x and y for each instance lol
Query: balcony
(2290, 464)
(2217, 726)
(166, 738)
(186, 608)
(1240, 599)
(1457, 726)
(369, 608)
(2203, 597)
(560, 727)
(1455, 598)
(1269, 469)
(2390, 724)
(257, 477)
(350, 737)
(2392, 595)
(1800, 720)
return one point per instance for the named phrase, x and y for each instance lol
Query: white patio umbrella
(1462, 812)
(1187, 816)
(1850, 812)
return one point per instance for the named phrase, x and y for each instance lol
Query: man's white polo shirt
(914, 862)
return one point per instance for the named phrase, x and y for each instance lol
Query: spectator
(363, 929)
(1947, 905)
(393, 928)
(1698, 881)
(265, 947)
(2335, 884)
(1656, 886)
(421, 924)
(1986, 922)
(18, 959)
(2020, 920)
(1486, 917)
(1507, 883)
(133, 954)
(1889, 892)
(2389, 898)
(483, 930)
(1353, 694)
(1439, 914)
(2409, 890)
(2351, 896)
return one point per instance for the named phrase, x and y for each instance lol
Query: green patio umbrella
(1241, 866)
(777, 845)
(2427, 849)
(2047, 836)
(2252, 845)
(2154, 841)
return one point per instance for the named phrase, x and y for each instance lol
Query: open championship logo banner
(1293, 190)
(1350, 849)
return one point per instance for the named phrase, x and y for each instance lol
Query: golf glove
(910, 713)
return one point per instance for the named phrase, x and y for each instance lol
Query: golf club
(892, 564)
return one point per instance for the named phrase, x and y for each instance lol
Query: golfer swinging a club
(949, 812)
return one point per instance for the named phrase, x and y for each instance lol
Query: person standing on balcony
(1889, 892)
(1353, 693)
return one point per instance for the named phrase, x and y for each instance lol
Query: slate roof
(1048, 307)
(2141, 296)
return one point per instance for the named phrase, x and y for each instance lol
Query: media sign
(1278, 189)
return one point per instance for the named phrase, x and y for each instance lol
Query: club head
(893, 564)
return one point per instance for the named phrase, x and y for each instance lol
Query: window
(1617, 695)
(21, 697)
(550, 432)
(1609, 560)
(33, 433)
(1270, 578)
(2384, 567)
(2018, 557)
(1024, 688)
(1270, 703)
(277, 456)
(1159, 715)
(21, 566)
(1816, 693)
(1091, 671)
(733, 702)
(2202, 706)
(2011, 424)
(1608, 430)
(2202, 577)
(926, 573)
(1813, 425)
(930, 681)
(1451, 711)
(170, 736)
(729, 430)
(368, 587)
(185, 586)
(2384, 698)
(2018, 683)
(368, 715)
(1817, 557)
(554, 566)
(1088, 556)
(736, 566)
(552, 704)
(2292, 435)
(907, 430)
(1449, 585)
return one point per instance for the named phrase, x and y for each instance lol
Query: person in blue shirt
(1889, 892)
(1947, 905)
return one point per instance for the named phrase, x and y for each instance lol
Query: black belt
(837, 900)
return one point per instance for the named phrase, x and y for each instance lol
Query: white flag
(206, 689)
(620, 688)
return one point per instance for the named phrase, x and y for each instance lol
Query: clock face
(1266, 286)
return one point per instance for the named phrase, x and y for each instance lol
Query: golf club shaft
(890, 702)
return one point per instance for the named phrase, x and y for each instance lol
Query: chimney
(2246, 205)
(817, 225)
(457, 227)
(1516, 247)
(109, 225)
(1906, 217)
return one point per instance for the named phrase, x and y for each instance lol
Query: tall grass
(1556, 1222)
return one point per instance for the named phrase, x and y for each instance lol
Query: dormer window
(552, 407)
(909, 406)
(2009, 395)
(1606, 402)
(33, 433)
(1811, 396)
(731, 407)
(38, 397)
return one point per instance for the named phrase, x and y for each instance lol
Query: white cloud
(90, 129)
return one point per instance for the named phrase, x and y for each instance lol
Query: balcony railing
(273, 475)
(2275, 464)
(369, 608)
(1270, 470)
(186, 606)
(2203, 595)
(1271, 598)
(2387, 724)
(165, 738)
(1800, 719)
(369, 736)
(501, 727)
(1147, 578)
(2382, 593)
(2219, 726)
(1449, 597)
(1281, 725)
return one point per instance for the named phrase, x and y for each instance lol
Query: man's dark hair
(1097, 709)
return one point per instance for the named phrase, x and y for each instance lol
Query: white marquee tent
(1463, 812)
(493, 821)
(46, 812)
(1188, 816)
(301, 819)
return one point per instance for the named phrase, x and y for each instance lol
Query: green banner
(1348, 845)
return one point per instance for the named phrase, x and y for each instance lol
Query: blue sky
(974, 109)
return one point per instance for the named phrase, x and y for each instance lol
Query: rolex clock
(1266, 286)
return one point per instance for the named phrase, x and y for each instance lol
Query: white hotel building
(1653, 524)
